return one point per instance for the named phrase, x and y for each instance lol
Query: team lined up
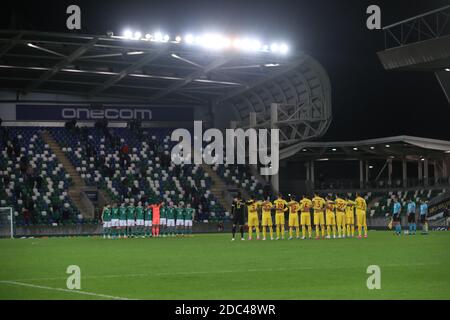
(335, 217)
(153, 220)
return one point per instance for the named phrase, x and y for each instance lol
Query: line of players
(338, 216)
(150, 220)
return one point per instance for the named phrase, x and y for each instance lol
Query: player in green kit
(131, 220)
(163, 220)
(114, 225)
(122, 230)
(148, 220)
(106, 219)
(188, 217)
(180, 219)
(139, 220)
(170, 212)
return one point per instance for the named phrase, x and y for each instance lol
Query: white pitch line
(63, 290)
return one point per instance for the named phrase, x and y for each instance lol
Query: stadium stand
(135, 165)
(32, 181)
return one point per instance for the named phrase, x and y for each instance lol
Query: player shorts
(122, 223)
(170, 222)
(188, 223)
(163, 221)
(156, 219)
(140, 222)
(330, 219)
(412, 217)
(361, 219)
(114, 222)
(238, 219)
(106, 224)
(266, 220)
(279, 218)
(148, 223)
(396, 218)
(319, 218)
(293, 220)
(305, 218)
(180, 222)
(423, 218)
(253, 220)
(349, 218)
(131, 222)
(340, 218)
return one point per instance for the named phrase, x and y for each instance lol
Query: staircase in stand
(78, 184)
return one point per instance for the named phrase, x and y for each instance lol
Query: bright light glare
(274, 47)
(166, 38)
(128, 34)
(189, 39)
(137, 35)
(178, 39)
(148, 36)
(158, 36)
(284, 48)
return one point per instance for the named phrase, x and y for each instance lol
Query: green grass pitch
(210, 266)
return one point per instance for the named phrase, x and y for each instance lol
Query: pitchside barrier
(379, 223)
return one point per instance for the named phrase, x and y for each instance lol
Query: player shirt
(148, 214)
(318, 203)
(163, 212)
(139, 213)
(411, 207)
(238, 207)
(156, 210)
(330, 206)
(130, 213)
(294, 207)
(170, 212)
(179, 212)
(280, 205)
(340, 204)
(188, 213)
(361, 204)
(397, 207)
(350, 206)
(106, 216)
(114, 213)
(252, 206)
(123, 213)
(266, 207)
(305, 205)
(423, 209)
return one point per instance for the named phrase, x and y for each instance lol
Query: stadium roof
(89, 65)
(409, 147)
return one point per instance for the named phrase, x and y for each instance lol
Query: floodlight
(158, 36)
(189, 39)
(178, 39)
(127, 34)
(284, 48)
(274, 47)
(137, 35)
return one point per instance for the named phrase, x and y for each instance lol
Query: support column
(308, 175)
(361, 174)
(436, 174)
(389, 172)
(405, 173)
(367, 173)
(273, 125)
(252, 123)
(425, 172)
(312, 171)
(444, 170)
(420, 171)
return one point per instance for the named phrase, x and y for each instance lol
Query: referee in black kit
(238, 212)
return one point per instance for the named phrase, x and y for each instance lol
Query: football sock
(322, 228)
(317, 231)
(233, 232)
(250, 232)
(282, 231)
(278, 227)
(328, 231)
(353, 230)
(334, 231)
(290, 232)
(271, 232)
(264, 232)
(241, 228)
(297, 231)
(257, 232)
(304, 231)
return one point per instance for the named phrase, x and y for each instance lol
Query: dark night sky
(368, 102)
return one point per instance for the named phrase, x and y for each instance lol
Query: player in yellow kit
(330, 218)
(294, 207)
(340, 205)
(280, 208)
(350, 217)
(253, 221)
(267, 218)
(305, 216)
(361, 207)
(319, 217)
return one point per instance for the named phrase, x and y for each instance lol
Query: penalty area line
(64, 290)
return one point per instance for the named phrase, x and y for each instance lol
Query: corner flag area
(210, 266)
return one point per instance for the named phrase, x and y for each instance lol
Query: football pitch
(210, 266)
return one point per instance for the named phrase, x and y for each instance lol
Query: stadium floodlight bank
(6, 222)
